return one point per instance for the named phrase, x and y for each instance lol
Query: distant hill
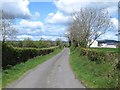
(110, 42)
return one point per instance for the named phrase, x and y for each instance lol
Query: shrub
(83, 51)
(118, 65)
(12, 55)
(98, 56)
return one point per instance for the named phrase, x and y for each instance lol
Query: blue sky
(49, 20)
(44, 8)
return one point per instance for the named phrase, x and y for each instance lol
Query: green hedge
(99, 56)
(12, 55)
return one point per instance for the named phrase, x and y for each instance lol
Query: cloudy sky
(49, 19)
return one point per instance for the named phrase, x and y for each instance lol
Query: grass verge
(91, 74)
(18, 70)
(0, 79)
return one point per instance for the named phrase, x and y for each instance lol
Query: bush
(118, 65)
(12, 55)
(98, 56)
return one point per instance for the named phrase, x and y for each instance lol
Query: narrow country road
(54, 73)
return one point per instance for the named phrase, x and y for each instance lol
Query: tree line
(42, 43)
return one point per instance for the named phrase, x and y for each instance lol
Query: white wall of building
(94, 44)
(104, 45)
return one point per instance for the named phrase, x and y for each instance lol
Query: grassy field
(106, 49)
(15, 72)
(91, 74)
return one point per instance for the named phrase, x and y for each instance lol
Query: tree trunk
(3, 40)
(69, 43)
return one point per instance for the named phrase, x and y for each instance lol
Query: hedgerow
(89, 67)
(99, 56)
(13, 55)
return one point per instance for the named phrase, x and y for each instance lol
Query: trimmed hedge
(99, 56)
(12, 55)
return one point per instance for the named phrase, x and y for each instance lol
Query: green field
(18, 70)
(106, 49)
(91, 74)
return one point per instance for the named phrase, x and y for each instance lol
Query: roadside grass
(91, 74)
(0, 79)
(18, 70)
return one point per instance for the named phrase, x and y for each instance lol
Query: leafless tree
(88, 24)
(7, 30)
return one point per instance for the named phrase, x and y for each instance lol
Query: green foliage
(59, 42)
(15, 72)
(42, 44)
(98, 55)
(93, 75)
(0, 64)
(28, 43)
(0, 79)
(13, 55)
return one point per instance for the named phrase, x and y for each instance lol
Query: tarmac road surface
(54, 73)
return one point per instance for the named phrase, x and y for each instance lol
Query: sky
(49, 19)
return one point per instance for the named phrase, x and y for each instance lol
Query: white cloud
(115, 23)
(22, 37)
(113, 10)
(53, 30)
(109, 36)
(1, 38)
(57, 18)
(26, 28)
(74, 5)
(28, 31)
(37, 14)
(16, 8)
(31, 24)
(68, 7)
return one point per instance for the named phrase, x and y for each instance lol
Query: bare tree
(88, 24)
(6, 28)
